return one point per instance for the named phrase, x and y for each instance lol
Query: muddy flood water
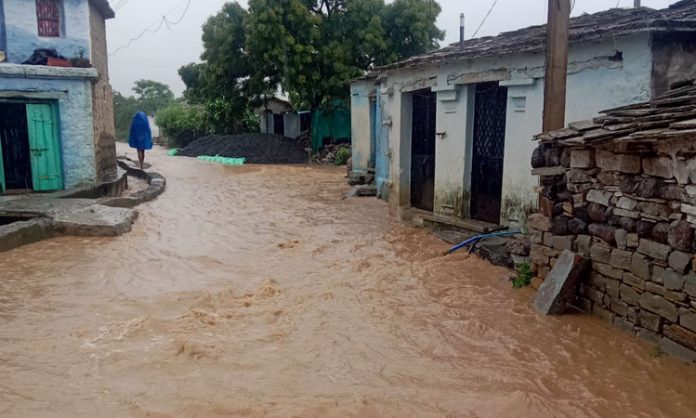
(258, 292)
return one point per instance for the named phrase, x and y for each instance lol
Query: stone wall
(102, 101)
(633, 214)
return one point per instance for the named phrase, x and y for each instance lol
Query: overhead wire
(162, 22)
(485, 18)
(120, 4)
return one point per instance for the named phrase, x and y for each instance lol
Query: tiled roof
(680, 16)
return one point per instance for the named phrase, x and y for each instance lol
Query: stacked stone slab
(621, 191)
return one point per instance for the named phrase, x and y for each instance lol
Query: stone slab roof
(104, 8)
(671, 116)
(680, 16)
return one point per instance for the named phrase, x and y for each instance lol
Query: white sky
(158, 56)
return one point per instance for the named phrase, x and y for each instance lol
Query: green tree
(124, 109)
(309, 48)
(410, 29)
(152, 95)
(192, 76)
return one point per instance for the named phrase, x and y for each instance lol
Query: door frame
(471, 152)
(57, 140)
(55, 111)
(412, 94)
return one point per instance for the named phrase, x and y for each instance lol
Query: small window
(48, 17)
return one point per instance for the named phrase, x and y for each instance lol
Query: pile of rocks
(328, 154)
(621, 190)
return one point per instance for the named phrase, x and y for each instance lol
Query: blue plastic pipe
(475, 239)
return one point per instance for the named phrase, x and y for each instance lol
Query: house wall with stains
(102, 100)
(361, 124)
(22, 35)
(602, 75)
(71, 90)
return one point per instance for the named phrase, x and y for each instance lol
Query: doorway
(14, 147)
(30, 149)
(490, 109)
(279, 125)
(423, 130)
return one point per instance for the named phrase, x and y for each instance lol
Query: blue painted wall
(2, 26)
(381, 147)
(21, 31)
(74, 97)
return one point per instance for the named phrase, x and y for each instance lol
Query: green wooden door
(44, 145)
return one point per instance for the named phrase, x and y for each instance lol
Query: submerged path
(257, 291)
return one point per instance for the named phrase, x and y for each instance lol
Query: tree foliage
(150, 97)
(309, 48)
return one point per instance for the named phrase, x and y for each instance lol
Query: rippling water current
(257, 291)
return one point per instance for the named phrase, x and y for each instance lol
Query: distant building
(449, 132)
(56, 122)
(276, 117)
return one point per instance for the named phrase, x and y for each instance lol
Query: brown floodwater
(257, 291)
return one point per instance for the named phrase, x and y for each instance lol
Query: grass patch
(524, 276)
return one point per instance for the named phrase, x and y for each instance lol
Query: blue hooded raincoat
(140, 135)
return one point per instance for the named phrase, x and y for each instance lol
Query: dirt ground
(258, 292)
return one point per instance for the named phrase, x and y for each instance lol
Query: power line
(120, 4)
(162, 22)
(485, 18)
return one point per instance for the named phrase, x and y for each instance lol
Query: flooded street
(258, 291)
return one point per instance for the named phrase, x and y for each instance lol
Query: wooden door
(44, 146)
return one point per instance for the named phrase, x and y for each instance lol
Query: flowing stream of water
(257, 291)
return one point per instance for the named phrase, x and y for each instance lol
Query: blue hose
(475, 239)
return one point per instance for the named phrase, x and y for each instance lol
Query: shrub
(342, 156)
(181, 124)
(524, 277)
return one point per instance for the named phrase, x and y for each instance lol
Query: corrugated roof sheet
(681, 16)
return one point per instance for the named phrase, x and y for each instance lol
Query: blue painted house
(56, 121)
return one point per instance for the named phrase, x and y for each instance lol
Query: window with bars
(48, 17)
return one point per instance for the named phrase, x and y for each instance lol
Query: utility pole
(636, 4)
(461, 31)
(556, 64)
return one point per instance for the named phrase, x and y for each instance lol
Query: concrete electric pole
(636, 4)
(556, 65)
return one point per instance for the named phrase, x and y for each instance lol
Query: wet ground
(257, 291)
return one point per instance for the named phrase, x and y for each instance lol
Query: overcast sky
(158, 56)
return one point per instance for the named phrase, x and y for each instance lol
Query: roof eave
(104, 8)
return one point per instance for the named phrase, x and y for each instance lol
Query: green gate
(44, 146)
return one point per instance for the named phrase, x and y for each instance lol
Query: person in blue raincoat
(140, 136)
